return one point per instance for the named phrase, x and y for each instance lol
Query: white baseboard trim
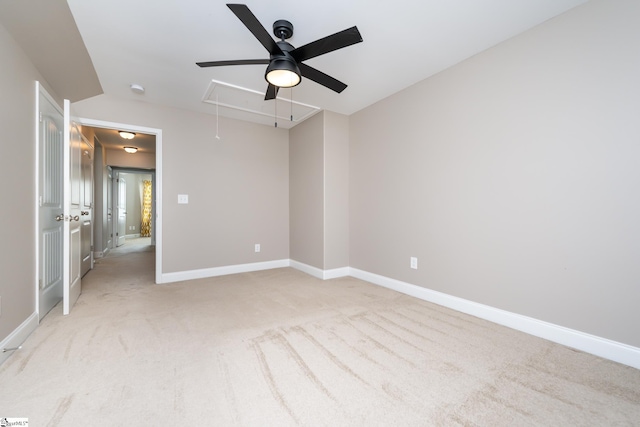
(222, 271)
(319, 273)
(18, 336)
(306, 268)
(602, 347)
(336, 272)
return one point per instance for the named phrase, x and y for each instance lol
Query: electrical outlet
(257, 247)
(183, 199)
(414, 263)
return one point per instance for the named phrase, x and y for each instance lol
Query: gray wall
(122, 159)
(17, 173)
(336, 193)
(514, 176)
(238, 186)
(319, 191)
(306, 192)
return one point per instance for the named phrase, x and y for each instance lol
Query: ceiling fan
(285, 67)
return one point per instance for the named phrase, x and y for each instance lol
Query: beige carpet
(278, 348)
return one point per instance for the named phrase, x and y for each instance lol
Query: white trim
(203, 273)
(158, 177)
(335, 273)
(18, 336)
(37, 194)
(306, 268)
(319, 273)
(602, 347)
(222, 271)
(260, 95)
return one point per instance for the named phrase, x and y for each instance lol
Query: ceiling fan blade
(321, 78)
(251, 22)
(327, 44)
(272, 92)
(233, 62)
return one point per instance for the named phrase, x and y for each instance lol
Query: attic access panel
(251, 101)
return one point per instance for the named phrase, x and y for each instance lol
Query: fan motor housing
(282, 29)
(285, 46)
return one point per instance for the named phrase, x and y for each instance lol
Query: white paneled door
(86, 206)
(72, 241)
(51, 217)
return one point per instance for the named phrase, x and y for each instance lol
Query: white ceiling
(110, 138)
(156, 45)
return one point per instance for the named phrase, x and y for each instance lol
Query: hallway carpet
(279, 348)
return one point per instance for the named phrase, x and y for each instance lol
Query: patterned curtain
(145, 227)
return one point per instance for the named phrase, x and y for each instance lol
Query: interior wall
(122, 159)
(18, 172)
(237, 186)
(306, 191)
(336, 192)
(513, 176)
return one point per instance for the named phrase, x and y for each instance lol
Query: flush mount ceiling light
(127, 135)
(130, 150)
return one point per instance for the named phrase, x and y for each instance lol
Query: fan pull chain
(275, 114)
(291, 102)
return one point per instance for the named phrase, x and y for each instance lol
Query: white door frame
(158, 175)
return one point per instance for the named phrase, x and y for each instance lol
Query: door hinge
(40, 283)
(40, 116)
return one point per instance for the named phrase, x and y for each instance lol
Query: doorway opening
(133, 206)
(111, 162)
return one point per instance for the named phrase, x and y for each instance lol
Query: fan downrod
(283, 29)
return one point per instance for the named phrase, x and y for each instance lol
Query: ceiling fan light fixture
(283, 72)
(130, 150)
(127, 135)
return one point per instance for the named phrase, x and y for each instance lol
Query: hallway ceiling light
(127, 135)
(131, 150)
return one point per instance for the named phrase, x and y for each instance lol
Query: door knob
(74, 218)
(84, 212)
(60, 217)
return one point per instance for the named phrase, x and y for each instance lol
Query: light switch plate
(183, 199)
